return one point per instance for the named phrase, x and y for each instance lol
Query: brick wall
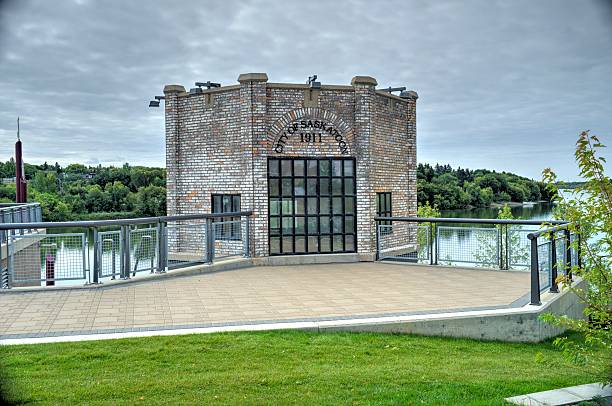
(219, 141)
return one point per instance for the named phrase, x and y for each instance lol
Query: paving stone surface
(257, 294)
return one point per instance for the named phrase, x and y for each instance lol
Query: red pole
(21, 193)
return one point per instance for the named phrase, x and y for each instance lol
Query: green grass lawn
(283, 367)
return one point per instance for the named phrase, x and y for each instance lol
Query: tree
(96, 199)
(151, 201)
(517, 192)
(76, 168)
(590, 214)
(7, 192)
(44, 182)
(53, 209)
(117, 195)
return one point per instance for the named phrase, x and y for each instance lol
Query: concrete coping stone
(305, 86)
(392, 96)
(174, 89)
(411, 94)
(563, 396)
(364, 80)
(252, 77)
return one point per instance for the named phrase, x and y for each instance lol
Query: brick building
(315, 163)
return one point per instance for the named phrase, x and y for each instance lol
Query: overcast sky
(505, 85)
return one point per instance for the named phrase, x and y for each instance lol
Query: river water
(538, 211)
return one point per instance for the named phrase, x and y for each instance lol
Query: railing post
(97, 249)
(430, 237)
(10, 265)
(85, 251)
(437, 242)
(553, 264)
(568, 253)
(125, 252)
(246, 237)
(210, 241)
(500, 247)
(128, 250)
(535, 273)
(162, 247)
(507, 250)
(121, 252)
(377, 225)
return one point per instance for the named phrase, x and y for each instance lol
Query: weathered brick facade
(219, 141)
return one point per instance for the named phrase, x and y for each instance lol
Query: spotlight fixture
(394, 89)
(313, 83)
(208, 85)
(155, 103)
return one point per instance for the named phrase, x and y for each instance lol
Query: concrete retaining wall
(513, 325)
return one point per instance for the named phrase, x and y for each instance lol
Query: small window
(383, 207)
(229, 229)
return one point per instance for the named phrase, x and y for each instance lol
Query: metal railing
(490, 243)
(52, 253)
(11, 213)
(553, 250)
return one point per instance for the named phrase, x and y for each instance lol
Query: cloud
(502, 85)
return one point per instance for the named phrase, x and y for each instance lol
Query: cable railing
(487, 243)
(74, 252)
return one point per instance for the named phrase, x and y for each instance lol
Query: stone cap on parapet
(174, 89)
(363, 80)
(252, 77)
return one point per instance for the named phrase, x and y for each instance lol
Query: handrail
(538, 233)
(117, 222)
(4, 206)
(468, 220)
(553, 227)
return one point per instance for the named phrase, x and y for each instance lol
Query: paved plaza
(259, 294)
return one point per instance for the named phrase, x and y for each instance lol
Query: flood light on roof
(208, 84)
(394, 89)
(313, 83)
(155, 103)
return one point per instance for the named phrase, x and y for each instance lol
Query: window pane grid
(383, 206)
(317, 205)
(222, 203)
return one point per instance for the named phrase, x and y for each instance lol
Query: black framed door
(311, 205)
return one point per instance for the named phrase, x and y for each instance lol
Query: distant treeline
(97, 192)
(449, 188)
(79, 192)
(569, 185)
